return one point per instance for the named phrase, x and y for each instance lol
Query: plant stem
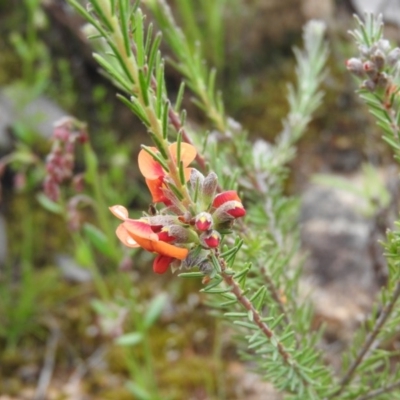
(375, 393)
(380, 322)
(241, 297)
(275, 295)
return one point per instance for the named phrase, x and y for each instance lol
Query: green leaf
(139, 37)
(154, 310)
(191, 275)
(124, 18)
(98, 239)
(49, 204)
(129, 339)
(139, 392)
(143, 87)
(246, 324)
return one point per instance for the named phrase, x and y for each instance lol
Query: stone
(339, 271)
(38, 113)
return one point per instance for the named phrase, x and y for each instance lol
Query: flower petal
(188, 153)
(167, 249)
(159, 247)
(148, 166)
(119, 211)
(139, 229)
(223, 197)
(125, 238)
(188, 173)
(161, 264)
(157, 194)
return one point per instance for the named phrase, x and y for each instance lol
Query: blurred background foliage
(64, 301)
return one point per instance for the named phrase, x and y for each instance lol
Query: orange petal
(188, 152)
(124, 237)
(188, 172)
(119, 211)
(148, 166)
(223, 197)
(161, 264)
(162, 248)
(155, 188)
(139, 229)
(170, 250)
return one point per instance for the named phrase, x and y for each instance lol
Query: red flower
(155, 174)
(203, 221)
(223, 197)
(229, 203)
(139, 233)
(210, 239)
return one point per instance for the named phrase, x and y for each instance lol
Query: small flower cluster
(179, 234)
(60, 161)
(377, 63)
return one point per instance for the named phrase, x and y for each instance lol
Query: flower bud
(393, 57)
(379, 59)
(364, 50)
(383, 80)
(196, 179)
(370, 69)
(228, 211)
(383, 45)
(210, 239)
(209, 187)
(224, 197)
(203, 221)
(206, 267)
(194, 258)
(355, 66)
(78, 182)
(182, 234)
(369, 85)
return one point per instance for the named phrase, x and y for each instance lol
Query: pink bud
(355, 66)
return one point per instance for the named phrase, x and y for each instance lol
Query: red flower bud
(237, 210)
(203, 221)
(223, 197)
(228, 211)
(210, 239)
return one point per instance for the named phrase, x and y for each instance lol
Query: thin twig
(241, 297)
(385, 313)
(48, 366)
(275, 294)
(380, 391)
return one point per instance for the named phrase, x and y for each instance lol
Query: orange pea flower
(139, 233)
(155, 174)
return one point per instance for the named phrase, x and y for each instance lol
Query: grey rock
(38, 113)
(337, 236)
(340, 276)
(71, 271)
